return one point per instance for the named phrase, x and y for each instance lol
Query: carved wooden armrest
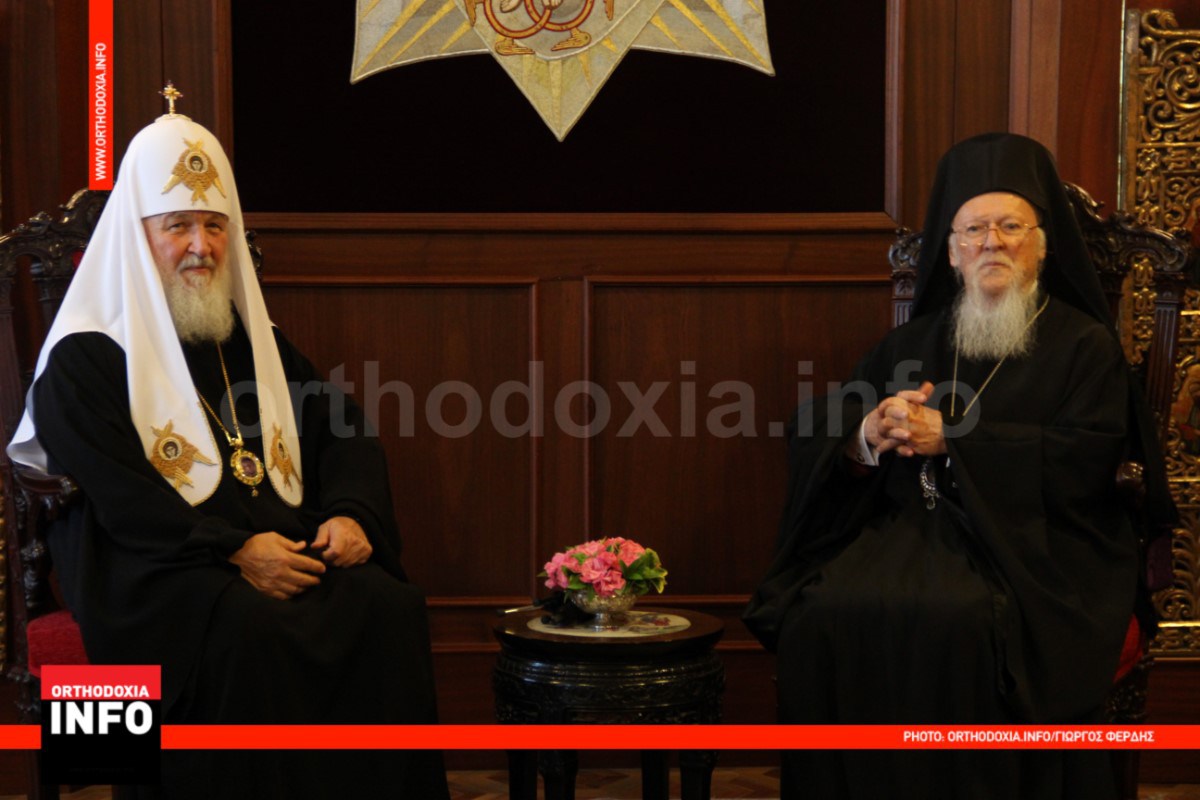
(52, 492)
(41, 497)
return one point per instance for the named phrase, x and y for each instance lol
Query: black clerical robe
(1006, 602)
(147, 577)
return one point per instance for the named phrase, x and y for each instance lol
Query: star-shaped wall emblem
(558, 52)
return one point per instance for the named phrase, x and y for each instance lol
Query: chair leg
(656, 779)
(558, 768)
(695, 773)
(1125, 765)
(522, 775)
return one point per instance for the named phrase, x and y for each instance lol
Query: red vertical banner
(100, 94)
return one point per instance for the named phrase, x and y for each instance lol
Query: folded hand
(273, 565)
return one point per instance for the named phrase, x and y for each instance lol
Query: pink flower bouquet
(606, 568)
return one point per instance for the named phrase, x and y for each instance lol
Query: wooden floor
(743, 783)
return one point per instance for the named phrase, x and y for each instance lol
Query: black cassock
(1007, 602)
(148, 578)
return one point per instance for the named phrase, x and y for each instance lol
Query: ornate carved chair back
(52, 247)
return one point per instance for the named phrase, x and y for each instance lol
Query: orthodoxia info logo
(101, 724)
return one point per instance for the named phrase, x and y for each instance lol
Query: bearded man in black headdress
(237, 534)
(952, 549)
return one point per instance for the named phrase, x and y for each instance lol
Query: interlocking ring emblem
(540, 19)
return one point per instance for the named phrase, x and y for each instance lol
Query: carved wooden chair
(1143, 271)
(39, 630)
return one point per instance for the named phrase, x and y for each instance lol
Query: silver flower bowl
(611, 612)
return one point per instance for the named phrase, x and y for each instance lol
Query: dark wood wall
(689, 299)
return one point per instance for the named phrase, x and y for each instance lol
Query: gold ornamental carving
(1179, 604)
(1160, 187)
(1162, 122)
(1132, 261)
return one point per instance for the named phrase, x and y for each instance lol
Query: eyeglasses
(1008, 232)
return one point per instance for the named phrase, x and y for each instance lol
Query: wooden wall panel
(1033, 84)
(981, 72)
(178, 40)
(562, 476)
(560, 246)
(926, 82)
(705, 487)
(72, 96)
(203, 68)
(43, 60)
(44, 85)
(1089, 98)
(953, 64)
(138, 75)
(462, 491)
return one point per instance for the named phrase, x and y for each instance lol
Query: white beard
(201, 310)
(994, 329)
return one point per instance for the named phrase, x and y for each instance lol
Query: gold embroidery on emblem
(279, 458)
(173, 456)
(195, 170)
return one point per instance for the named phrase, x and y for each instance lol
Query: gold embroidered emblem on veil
(173, 456)
(195, 170)
(279, 458)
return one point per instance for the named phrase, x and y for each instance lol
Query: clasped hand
(905, 424)
(277, 567)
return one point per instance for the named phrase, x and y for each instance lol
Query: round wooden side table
(549, 677)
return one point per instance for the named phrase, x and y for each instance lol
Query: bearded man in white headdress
(226, 531)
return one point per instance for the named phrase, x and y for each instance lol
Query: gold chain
(238, 442)
(245, 465)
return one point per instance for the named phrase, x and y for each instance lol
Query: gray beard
(201, 313)
(997, 329)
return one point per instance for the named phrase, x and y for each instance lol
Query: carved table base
(672, 679)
